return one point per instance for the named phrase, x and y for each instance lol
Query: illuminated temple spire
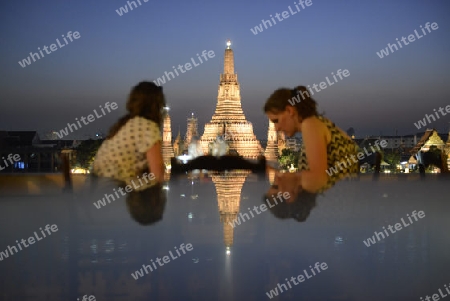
(229, 114)
(271, 153)
(229, 97)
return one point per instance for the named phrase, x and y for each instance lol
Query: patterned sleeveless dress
(339, 151)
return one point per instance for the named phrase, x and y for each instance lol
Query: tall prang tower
(229, 119)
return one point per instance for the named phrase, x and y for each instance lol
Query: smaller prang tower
(271, 152)
(191, 131)
(167, 148)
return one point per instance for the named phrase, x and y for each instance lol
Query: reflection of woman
(133, 145)
(298, 206)
(147, 207)
(325, 144)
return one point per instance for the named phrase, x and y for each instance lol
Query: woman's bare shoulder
(316, 126)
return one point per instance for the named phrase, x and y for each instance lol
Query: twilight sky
(114, 52)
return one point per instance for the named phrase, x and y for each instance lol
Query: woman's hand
(288, 182)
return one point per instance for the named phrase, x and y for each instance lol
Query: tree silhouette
(86, 151)
(351, 132)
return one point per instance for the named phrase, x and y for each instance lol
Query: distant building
(36, 155)
(293, 143)
(406, 141)
(430, 139)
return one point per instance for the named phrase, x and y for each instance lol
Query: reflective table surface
(185, 243)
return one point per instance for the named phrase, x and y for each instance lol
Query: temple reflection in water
(228, 188)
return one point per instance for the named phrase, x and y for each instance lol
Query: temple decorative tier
(167, 149)
(178, 145)
(271, 152)
(229, 119)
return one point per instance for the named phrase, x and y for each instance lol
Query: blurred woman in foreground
(325, 145)
(133, 145)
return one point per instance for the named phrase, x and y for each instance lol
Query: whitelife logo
(262, 207)
(31, 240)
(423, 123)
(300, 278)
(140, 273)
(109, 197)
(411, 38)
(334, 170)
(53, 48)
(162, 80)
(284, 15)
(124, 9)
(86, 298)
(371, 240)
(323, 85)
(90, 118)
(10, 158)
(436, 296)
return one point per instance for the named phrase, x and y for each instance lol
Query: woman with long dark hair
(329, 153)
(133, 145)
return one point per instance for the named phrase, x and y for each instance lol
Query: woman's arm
(155, 162)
